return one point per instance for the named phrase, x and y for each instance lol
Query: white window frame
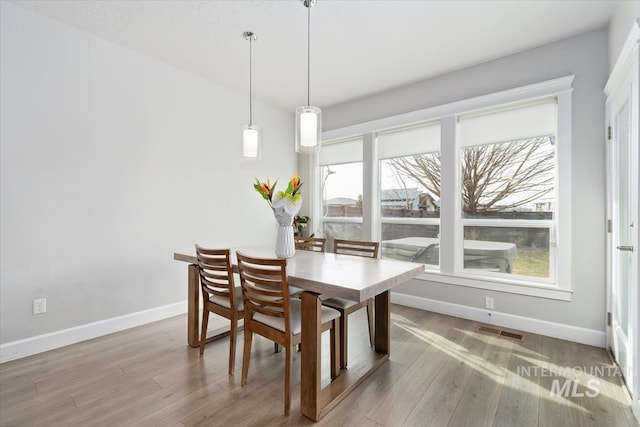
(408, 221)
(451, 223)
(318, 208)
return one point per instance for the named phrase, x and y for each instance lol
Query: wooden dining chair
(219, 294)
(310, 243)
(270, 312)
(346, 306)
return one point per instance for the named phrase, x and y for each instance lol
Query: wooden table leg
(193, 307)
(316, 402)
(310, 358)
(383, 322)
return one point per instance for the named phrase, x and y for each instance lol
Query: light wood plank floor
(442, 372)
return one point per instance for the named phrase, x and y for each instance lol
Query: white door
(623, 154)
(622, 228)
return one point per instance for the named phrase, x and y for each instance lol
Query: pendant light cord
(308, 54)
(250, 83)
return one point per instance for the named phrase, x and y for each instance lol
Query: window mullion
(370, 193)
(450, 234)
(562, 236)
(315, 202)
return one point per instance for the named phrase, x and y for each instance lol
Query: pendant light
(308, 118)
(251, 138)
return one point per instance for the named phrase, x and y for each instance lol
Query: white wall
(110, 162)
(586, 57)
(620, 26)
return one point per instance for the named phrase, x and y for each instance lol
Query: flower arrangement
(288, 200)
(285, 205)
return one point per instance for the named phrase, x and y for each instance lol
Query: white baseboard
(41, 343)
(38, 344)
(511, 321)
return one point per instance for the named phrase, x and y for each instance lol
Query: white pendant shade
(308, 126)
(308, 129)
(251, 142)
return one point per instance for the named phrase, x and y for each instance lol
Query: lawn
(532, 262)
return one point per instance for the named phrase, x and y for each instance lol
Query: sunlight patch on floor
(492, 371)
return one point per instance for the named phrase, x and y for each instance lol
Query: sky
(346, 181)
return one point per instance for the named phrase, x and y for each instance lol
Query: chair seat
(328, 314)
(224, 302)
(341, 303)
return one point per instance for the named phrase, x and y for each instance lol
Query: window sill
(513, 287)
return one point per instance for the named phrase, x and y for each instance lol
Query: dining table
(322, 275)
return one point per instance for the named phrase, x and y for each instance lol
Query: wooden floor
(442, 372)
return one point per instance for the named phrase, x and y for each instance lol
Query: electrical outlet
(39, 306)
(488, 303)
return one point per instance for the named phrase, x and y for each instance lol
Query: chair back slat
(264, 287)
(355, 247)
(310, 243)
(216, 273)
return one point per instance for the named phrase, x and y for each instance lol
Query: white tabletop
(332, 275)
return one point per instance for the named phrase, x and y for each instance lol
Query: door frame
(628, 62)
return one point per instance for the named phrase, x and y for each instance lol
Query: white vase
(284, 211)
(284, 242)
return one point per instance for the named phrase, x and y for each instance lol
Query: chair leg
(334, 336)
(343, 339)
(203, 332)
(232, 343)
(371, 320)
(276, 347)
(287, 379)
(248, 336)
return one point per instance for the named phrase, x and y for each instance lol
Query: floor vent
(490, 330)
(513, 335)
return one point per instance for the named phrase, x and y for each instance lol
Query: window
(341, 186)
(507, 190)
(410, 193)
(477, 190)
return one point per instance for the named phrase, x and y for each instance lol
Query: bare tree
(495, 177)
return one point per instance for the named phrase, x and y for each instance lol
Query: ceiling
(358, 47)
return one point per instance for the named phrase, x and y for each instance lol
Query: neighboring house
(429, 202)
(544, 206)
(402, 198)
(341, 201)
(409, 198)
(342, 207)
